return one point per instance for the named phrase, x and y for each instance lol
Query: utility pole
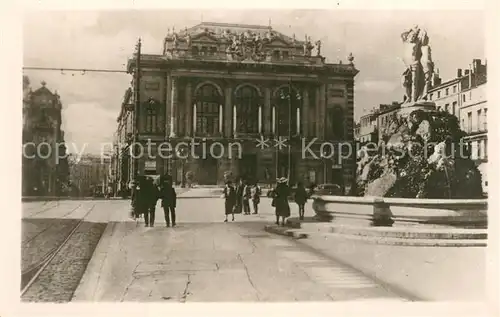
(289, 130)
(137, 78)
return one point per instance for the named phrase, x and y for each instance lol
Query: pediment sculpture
(248, 45)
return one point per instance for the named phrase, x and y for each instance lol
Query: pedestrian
(301, 199)
(168, 198)
(256, 198)
(152, 195)
(139, 197)
(247, 195)
(280, 200)
(230, 199)
(238, 206)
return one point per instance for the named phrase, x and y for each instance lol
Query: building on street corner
(232, 84)
(44, 164)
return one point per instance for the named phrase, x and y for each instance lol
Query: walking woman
(280, 201)
(230, 199)
(301, 199)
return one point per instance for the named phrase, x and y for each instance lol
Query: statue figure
(307, 47)
(175, 40)
(416, 79)
(318, 48)
(165, 45)
(427, 63)
(188, 40)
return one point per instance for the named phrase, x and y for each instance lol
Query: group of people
(145, 196)
(237, 199)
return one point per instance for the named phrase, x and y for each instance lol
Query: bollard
(382, 215)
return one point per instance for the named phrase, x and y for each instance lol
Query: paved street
(205, 259)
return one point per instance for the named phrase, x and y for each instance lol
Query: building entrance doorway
(248, 167)
(282, 167)
(207, 173)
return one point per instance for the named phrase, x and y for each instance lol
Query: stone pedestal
(407, 108)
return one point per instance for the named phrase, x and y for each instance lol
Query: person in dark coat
(139, 199)
(301, 199)
(238, 206)
(256, 192)
(280, 201)
(247, 196)
(168, 198)
(230, 199)
(152, 195)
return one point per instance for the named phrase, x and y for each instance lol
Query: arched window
(247, 110)
(207, 104)
(151, 116)
(336, 126)
(285, 99)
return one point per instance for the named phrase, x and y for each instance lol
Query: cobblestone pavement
(204, 259)
(44, 230)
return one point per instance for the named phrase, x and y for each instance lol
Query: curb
(411, 242)
(393, 232)
(301, 234)
(90, 280)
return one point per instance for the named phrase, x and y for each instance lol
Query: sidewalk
(429, 273)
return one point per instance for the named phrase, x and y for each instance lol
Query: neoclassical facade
(225, 86)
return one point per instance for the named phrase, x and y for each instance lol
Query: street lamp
(181, 154)
(288, 96)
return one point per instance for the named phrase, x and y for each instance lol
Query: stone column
(228, 113)
(267, 128)
(173, 113)
(304, 116)
(320, 112)
(189, 110)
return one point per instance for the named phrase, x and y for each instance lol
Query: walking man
(256, 198)
(168, 200)
(152, 196)
(247, 195)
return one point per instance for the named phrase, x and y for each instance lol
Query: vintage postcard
(333, 155)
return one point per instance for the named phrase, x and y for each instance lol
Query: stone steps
(424, 239)
(404, 232)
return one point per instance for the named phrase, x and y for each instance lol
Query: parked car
(329, 189)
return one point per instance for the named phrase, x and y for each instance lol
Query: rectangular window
(151, 121)
(455, 89)
(478, 149)
(439, 94)
(446, 107)
(486, 148)
(430, 97)
(454, 108)
(285, 55)
(479, 118)
(469, 122)
(463, 98)
(485, 120)
(447, 91)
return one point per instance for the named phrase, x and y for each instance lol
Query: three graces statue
(417, 78)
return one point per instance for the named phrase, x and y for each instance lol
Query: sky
(106, 39)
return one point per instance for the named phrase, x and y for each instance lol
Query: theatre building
(226, 86)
